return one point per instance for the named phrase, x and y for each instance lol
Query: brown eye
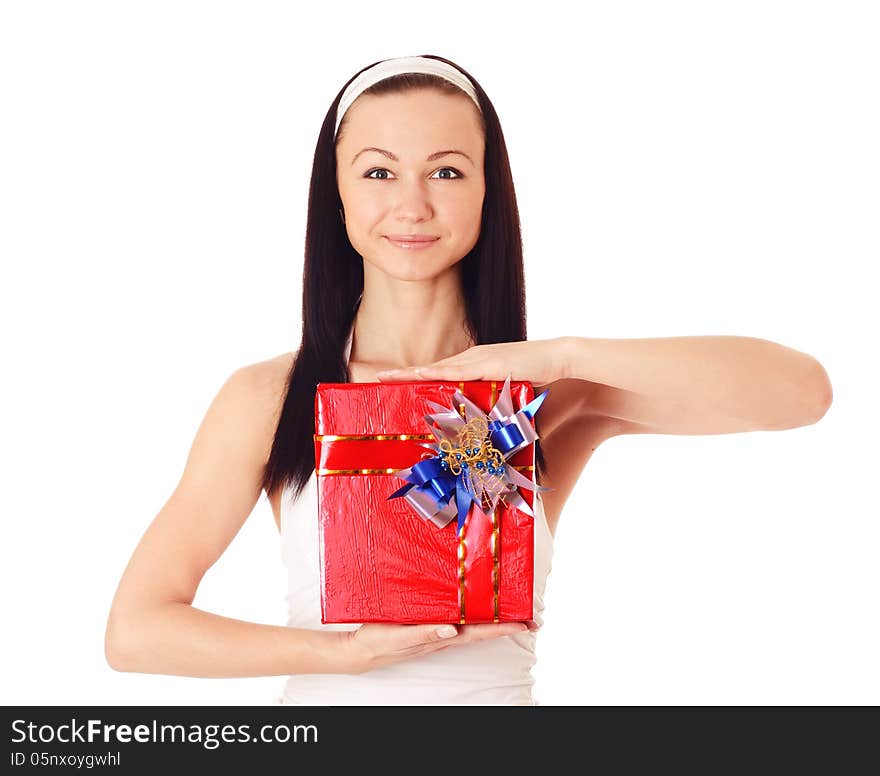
(369, 173)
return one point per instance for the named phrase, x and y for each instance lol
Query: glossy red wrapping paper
(379, 560)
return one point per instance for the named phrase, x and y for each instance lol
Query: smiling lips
(412, 241)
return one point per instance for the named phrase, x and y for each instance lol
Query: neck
(400, 324)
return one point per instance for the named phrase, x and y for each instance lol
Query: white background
(681, 168)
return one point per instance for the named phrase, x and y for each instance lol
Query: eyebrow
(430, 158)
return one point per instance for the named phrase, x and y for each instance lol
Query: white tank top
(497, 671)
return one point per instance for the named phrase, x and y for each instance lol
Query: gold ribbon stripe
(350, 437)
(462, 553)
(327, 472)
(495, 527)
(495, 569)
(462, 549)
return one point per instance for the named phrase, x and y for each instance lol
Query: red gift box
(380, 561)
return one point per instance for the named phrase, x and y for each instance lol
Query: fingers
(466, 634)
(440, 633)
(416, 636)
(376, 644)
(491, 630)
(488, 630)
(439, 636)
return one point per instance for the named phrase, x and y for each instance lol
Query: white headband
(389, 67)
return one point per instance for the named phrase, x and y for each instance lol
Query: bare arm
(698, 385)
(177, 638)
(152, 626)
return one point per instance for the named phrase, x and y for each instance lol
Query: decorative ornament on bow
(469, 464)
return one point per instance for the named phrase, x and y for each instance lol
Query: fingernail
(446, 631)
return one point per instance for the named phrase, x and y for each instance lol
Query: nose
(413, 202)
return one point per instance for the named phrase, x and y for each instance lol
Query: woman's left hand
(540, 362)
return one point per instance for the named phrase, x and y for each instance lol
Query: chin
(414, 270)
(417, 266)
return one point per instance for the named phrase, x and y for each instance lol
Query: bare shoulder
(246, 409)
(264, 381)
(268, 374)
(263, 386)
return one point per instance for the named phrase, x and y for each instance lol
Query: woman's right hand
(377, 644)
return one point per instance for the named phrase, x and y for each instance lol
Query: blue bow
(471, 460)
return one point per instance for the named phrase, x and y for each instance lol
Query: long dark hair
(333, 279)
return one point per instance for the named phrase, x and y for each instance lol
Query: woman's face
(426, 181)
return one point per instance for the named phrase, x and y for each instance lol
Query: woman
(413, 270)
